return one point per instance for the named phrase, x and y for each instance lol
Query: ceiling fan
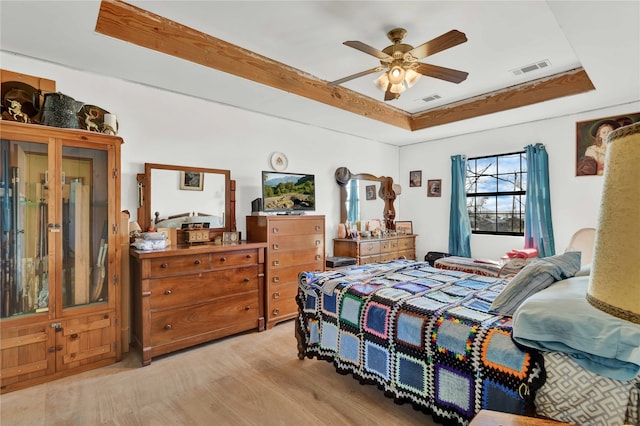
(400, 62)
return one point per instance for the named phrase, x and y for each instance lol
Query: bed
(426, 336)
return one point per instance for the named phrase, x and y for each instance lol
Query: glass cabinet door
(24, 217)
(85, 224)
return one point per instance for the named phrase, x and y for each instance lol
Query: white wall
(574, 200)
(168, 128)
(164, 127)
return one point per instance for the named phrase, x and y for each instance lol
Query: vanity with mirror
(366, 198)
(187, 294)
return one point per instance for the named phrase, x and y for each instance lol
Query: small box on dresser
(294, 244)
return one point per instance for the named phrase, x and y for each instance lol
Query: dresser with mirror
(193, 292)
(365, 197)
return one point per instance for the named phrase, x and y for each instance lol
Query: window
(496, 193)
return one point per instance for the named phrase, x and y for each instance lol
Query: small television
(288, 193)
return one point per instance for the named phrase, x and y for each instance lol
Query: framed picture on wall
(415, 178)
(404, 227)
(192, 181)
(371, 192)
(434, 187)
(591, 141)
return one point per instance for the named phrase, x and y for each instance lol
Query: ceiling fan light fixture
(396, 74)
(412, 77)
(382, 82)
(398, 88)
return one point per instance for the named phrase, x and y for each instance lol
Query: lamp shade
(614, 284)
(134, 227)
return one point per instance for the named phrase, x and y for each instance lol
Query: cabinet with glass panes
(59, 252)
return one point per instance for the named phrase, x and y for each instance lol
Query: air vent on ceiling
(531, 67)
(432, 98)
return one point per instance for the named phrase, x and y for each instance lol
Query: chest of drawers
(370, 250)
(294, 244)
(186, 296)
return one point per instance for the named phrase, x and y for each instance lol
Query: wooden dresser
(189, 295)
(294, 244)
(370, 250)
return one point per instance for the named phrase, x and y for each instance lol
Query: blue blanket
(422, 335)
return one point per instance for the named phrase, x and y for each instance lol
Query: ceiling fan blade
(360, 74)
(368, 49)
(438, 44)
(388, 95)
(448, 74)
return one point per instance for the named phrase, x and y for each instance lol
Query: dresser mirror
(185, 197)
(374, 197)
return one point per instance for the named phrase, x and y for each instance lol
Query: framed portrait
(371, 192)
(591, 142)
(192, 181)
(404, 227)
(434, 187)
(415, 178)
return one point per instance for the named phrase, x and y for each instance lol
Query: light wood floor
(251, 379)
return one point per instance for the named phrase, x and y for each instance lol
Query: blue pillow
(534, 277)
(560, 319)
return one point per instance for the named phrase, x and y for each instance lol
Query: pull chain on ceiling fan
(400, 62)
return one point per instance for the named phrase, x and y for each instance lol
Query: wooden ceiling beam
(131, 24)
(544, 89)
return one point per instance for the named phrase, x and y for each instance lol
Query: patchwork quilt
(422, 335)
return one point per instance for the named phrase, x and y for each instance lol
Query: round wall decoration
(279, 161)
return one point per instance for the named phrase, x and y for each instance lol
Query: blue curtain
(538, 229)
(459, 224)
(353, 214)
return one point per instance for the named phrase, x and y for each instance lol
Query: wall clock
(279, 161)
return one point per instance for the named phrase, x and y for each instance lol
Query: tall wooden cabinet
(60, 253)
(187, 295)
(294, 244)
(370, 250)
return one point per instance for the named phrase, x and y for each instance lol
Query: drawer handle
(74, 336)
(249, 256)
(59, 348)
(276, 311)
(276, 246)
(164, 265)
(223, 259)
(276, 295)
(247, 279)
(276, 279)
(168, 292)
(168, 327)
(317, 227)
(247, 308)
(275, 230)
(318, 242)
(51, 350)
(276, 262)
(197, 262)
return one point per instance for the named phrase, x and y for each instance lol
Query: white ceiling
(603, 37)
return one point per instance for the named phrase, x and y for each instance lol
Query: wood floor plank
(250, 379)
